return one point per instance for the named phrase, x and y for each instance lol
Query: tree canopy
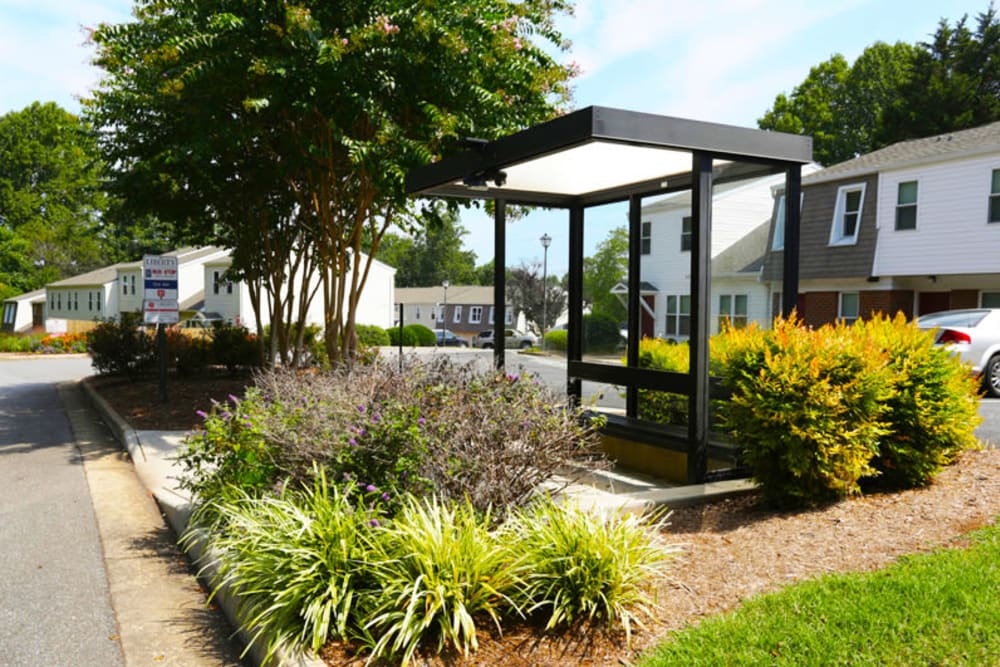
(603, 270)
(896, 92)
(304, 116)
(432, 254)
(526, 294)
(51, 202)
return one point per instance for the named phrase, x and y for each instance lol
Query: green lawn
(935, 609)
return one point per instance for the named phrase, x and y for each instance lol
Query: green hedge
(601, 333)
(414, 335)
(370, 335)
(557, 339)
(934, 405)
(818, 412)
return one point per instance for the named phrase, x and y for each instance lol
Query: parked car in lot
(974, 335)
(513, 339)
(447, 338)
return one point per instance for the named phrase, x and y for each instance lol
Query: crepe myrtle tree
(314, 111)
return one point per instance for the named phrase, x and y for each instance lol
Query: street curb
(177, 510)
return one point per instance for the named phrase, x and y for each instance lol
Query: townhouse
(911, 228)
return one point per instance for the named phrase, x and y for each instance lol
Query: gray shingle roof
(91, 278)
(457, 294)
(974, 141)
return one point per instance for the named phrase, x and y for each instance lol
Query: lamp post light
(444, 313)
(546, 242)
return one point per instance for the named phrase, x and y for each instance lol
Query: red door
(646, 329)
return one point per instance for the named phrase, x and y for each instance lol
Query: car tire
(525, 344)
(487, 346)
(991, 377)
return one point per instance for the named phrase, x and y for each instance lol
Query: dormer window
(646, 238)
(847, 214)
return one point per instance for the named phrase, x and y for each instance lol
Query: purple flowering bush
(438, 427)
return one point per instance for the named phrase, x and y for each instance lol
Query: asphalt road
(55, 607)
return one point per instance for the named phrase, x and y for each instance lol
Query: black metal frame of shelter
(600, 155)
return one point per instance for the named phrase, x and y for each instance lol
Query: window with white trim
(733, 311)
(216, 280)
(416, 312)
(457, 317)
(995, 196)
(90, 301)
(76, 300)
(989, 300)
(778, 240)
(475, 315)
(849, 307)
(906, 206)
(686, 233)
(98, 302)
(678, 322)
(440, 314)
(847, 214)
(508, 316)
(492, 313)
(646, 237)
(9, 313)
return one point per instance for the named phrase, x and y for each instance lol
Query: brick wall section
(964, 298)
(819, 308)
(888, 302)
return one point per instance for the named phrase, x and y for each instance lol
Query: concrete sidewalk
(161, 610)
(152, 456)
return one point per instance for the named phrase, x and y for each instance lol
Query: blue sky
(717, 60)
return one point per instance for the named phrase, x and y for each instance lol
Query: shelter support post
(701, 303)
(574, 342)
(634, 264)
(790, 258)
(499, 281)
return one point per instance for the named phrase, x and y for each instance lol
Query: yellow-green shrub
(663, 355)
(557, 339)
(808, 407)
(933, 409)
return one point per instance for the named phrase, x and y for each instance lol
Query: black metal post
(574, 338)
(499, 281)
(701, 308)
(790, 255)
(634, 264)
(400, 338)
(161, 344)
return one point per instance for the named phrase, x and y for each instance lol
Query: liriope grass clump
(321, 564)
(577, 566)
(295, 561)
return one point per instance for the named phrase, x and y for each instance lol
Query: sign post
(160, 304)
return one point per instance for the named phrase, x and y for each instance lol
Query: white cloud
(43, 55)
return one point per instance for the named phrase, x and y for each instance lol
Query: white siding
(736, 213)
(952, 234)
(375, 305)
(86, 303)
(129, 300)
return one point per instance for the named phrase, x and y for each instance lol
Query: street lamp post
(444, 313)
(546, 241)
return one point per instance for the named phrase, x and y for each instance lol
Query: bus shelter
(599, 155)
